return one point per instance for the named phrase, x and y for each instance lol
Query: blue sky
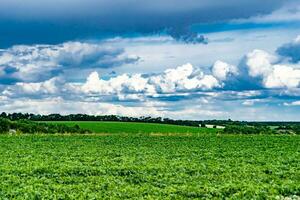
(197, 59)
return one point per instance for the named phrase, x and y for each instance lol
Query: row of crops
(178, 167)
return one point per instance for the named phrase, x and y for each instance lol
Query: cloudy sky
(192, 59)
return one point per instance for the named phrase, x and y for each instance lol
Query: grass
(147, 167)
(137, 128)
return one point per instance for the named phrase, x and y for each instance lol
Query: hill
(135, 127)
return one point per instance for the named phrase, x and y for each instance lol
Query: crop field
(136, 128)
(149, 167)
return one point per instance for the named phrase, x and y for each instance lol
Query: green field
(137, 128)
(149, 167)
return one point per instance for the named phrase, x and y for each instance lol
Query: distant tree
(4, 125)
(31, 127)
(3, 115)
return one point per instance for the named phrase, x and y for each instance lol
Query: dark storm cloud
(90, 8)
(56, 21)
(291, 50)
(184, 34)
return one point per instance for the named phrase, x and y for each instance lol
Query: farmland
(136, 128)
(206, 166)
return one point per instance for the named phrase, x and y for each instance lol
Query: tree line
(261, 129)
(31, 127)
(85, 117)
(244, 129)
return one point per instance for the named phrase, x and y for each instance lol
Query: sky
(192, 59)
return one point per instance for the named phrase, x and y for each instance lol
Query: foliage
(289, 129)
(30, 127)
(261, 129)
(240, 129)
(149, 167)
(84, 117)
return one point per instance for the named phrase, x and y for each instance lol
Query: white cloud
(33, 63)
(248, 103)
(5, 58)
(121, 84)
(295, 103)
(77, 54)
(221, 70)
(59, 105)
(182, 78)
(48, 87)
(259, 63)
(262, 64)
(297, 39)
(251, 102)
(283, 76)
(181, 81)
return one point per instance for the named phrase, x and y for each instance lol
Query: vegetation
(261, 129)
(146, 128)
(157, 120)
(30, 127)
(84, 117)
(149, 167)
(134, 128)
(289, 129)
(239, 129)
(133, 161)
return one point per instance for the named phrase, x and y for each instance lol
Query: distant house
(213, 126)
